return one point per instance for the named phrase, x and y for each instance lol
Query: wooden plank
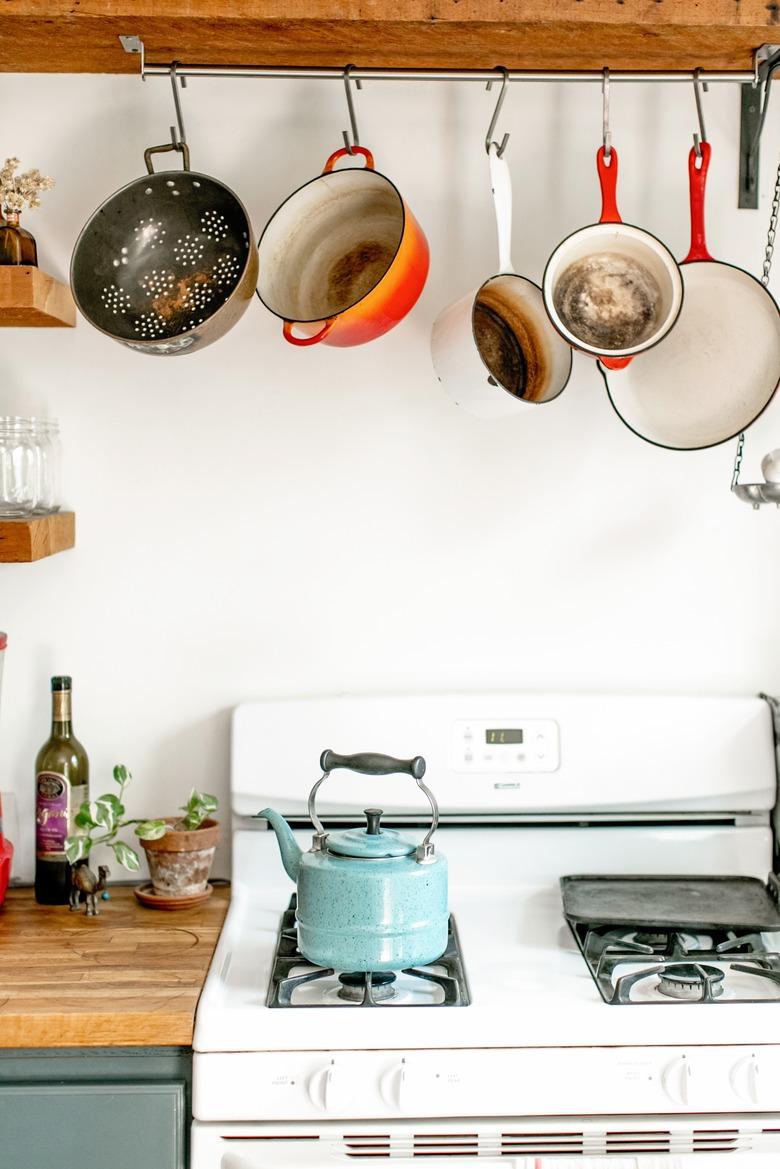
(70, 36)
(24, 540)
(130, 977)
(28, 297)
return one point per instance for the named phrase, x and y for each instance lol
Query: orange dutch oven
(343, 259)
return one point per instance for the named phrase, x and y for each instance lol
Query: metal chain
(770, 239)
(768, 253)
(738, 460)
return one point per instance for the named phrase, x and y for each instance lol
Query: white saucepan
(494, 350)
(612, 289)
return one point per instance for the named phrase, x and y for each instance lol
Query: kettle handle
(373, 763)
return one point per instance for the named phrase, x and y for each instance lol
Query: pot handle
(697, 179)
(615, 362)
(343, 152)
(287, 331)
(182, 148)
(501, 186)
(608, 173)
(372, 763)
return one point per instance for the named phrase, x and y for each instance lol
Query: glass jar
(18, 467)
(17, 246)
(46, 437)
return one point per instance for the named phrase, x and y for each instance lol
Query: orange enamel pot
(343, 259)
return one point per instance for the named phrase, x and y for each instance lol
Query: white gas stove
(536, 1058)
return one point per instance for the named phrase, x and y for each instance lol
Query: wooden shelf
(24, 540)
(30, 298)
(68, 37)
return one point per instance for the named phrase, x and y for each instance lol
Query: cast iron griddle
(694, 903)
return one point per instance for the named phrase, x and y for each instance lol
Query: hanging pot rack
(754, 111)
(756, 86)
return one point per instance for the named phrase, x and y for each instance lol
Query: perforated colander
(167, 264)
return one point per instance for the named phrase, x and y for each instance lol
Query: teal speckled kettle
(369, 899)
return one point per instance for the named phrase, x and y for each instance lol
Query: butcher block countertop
(129, 977)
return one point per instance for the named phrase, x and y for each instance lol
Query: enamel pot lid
(371, 842)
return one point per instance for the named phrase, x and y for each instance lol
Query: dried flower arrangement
(16, 190)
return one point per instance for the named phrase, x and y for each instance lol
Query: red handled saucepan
(720, 367)
(612, 289)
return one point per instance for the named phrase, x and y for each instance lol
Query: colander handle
(372, 763)
(182, 148)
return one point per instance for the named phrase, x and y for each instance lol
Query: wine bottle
(61, 786)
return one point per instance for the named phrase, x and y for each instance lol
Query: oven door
(745, 1141)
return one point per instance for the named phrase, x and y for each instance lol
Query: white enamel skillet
(720, 366)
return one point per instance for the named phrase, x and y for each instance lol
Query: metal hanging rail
(483, 75)
(766, 61)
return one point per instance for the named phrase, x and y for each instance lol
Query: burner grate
(366, 990)
(689, 967)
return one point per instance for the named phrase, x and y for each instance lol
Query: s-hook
(605, 130)
(500, 148)
(179, 140)
(351, 143)
(698, 86)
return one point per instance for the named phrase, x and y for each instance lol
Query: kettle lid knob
(373, 816)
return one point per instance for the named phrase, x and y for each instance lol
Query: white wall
(260, 520)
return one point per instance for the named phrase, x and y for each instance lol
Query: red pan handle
(287, 330)
(608, 172)
(615, 362)
(337, 154)
(697, 178)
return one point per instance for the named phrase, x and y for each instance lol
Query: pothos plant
(100, 821)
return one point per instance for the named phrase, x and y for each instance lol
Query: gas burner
(691, 982)
(295, 982)
(355, 986)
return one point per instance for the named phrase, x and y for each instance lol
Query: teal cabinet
(96, 1108)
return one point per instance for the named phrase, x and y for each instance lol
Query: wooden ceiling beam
(82, 36)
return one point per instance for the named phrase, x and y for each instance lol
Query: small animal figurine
(85, 886)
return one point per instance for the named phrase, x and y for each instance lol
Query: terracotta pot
(180, 862)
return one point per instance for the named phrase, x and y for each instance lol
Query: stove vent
(543, 1140)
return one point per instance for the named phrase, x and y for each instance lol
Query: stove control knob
(676, 1080)
(395, 1086)
(747, 1081)
(331, 1088)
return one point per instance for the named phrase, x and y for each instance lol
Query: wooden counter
(131, 976)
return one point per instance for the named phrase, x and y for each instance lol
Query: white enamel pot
(720, 368)
(611, 289)
(494, 350)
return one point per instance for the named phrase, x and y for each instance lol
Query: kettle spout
(288, 847)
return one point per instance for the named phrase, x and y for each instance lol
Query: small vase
(17, 246)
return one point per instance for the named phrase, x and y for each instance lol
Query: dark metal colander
(167, 264)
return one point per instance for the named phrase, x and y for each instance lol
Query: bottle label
(52, 814)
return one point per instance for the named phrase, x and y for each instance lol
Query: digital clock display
(499, 735)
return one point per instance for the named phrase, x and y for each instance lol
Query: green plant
(199, 807)
(100, 821)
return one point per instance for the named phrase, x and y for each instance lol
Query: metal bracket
(134, 44)
(766, 60)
